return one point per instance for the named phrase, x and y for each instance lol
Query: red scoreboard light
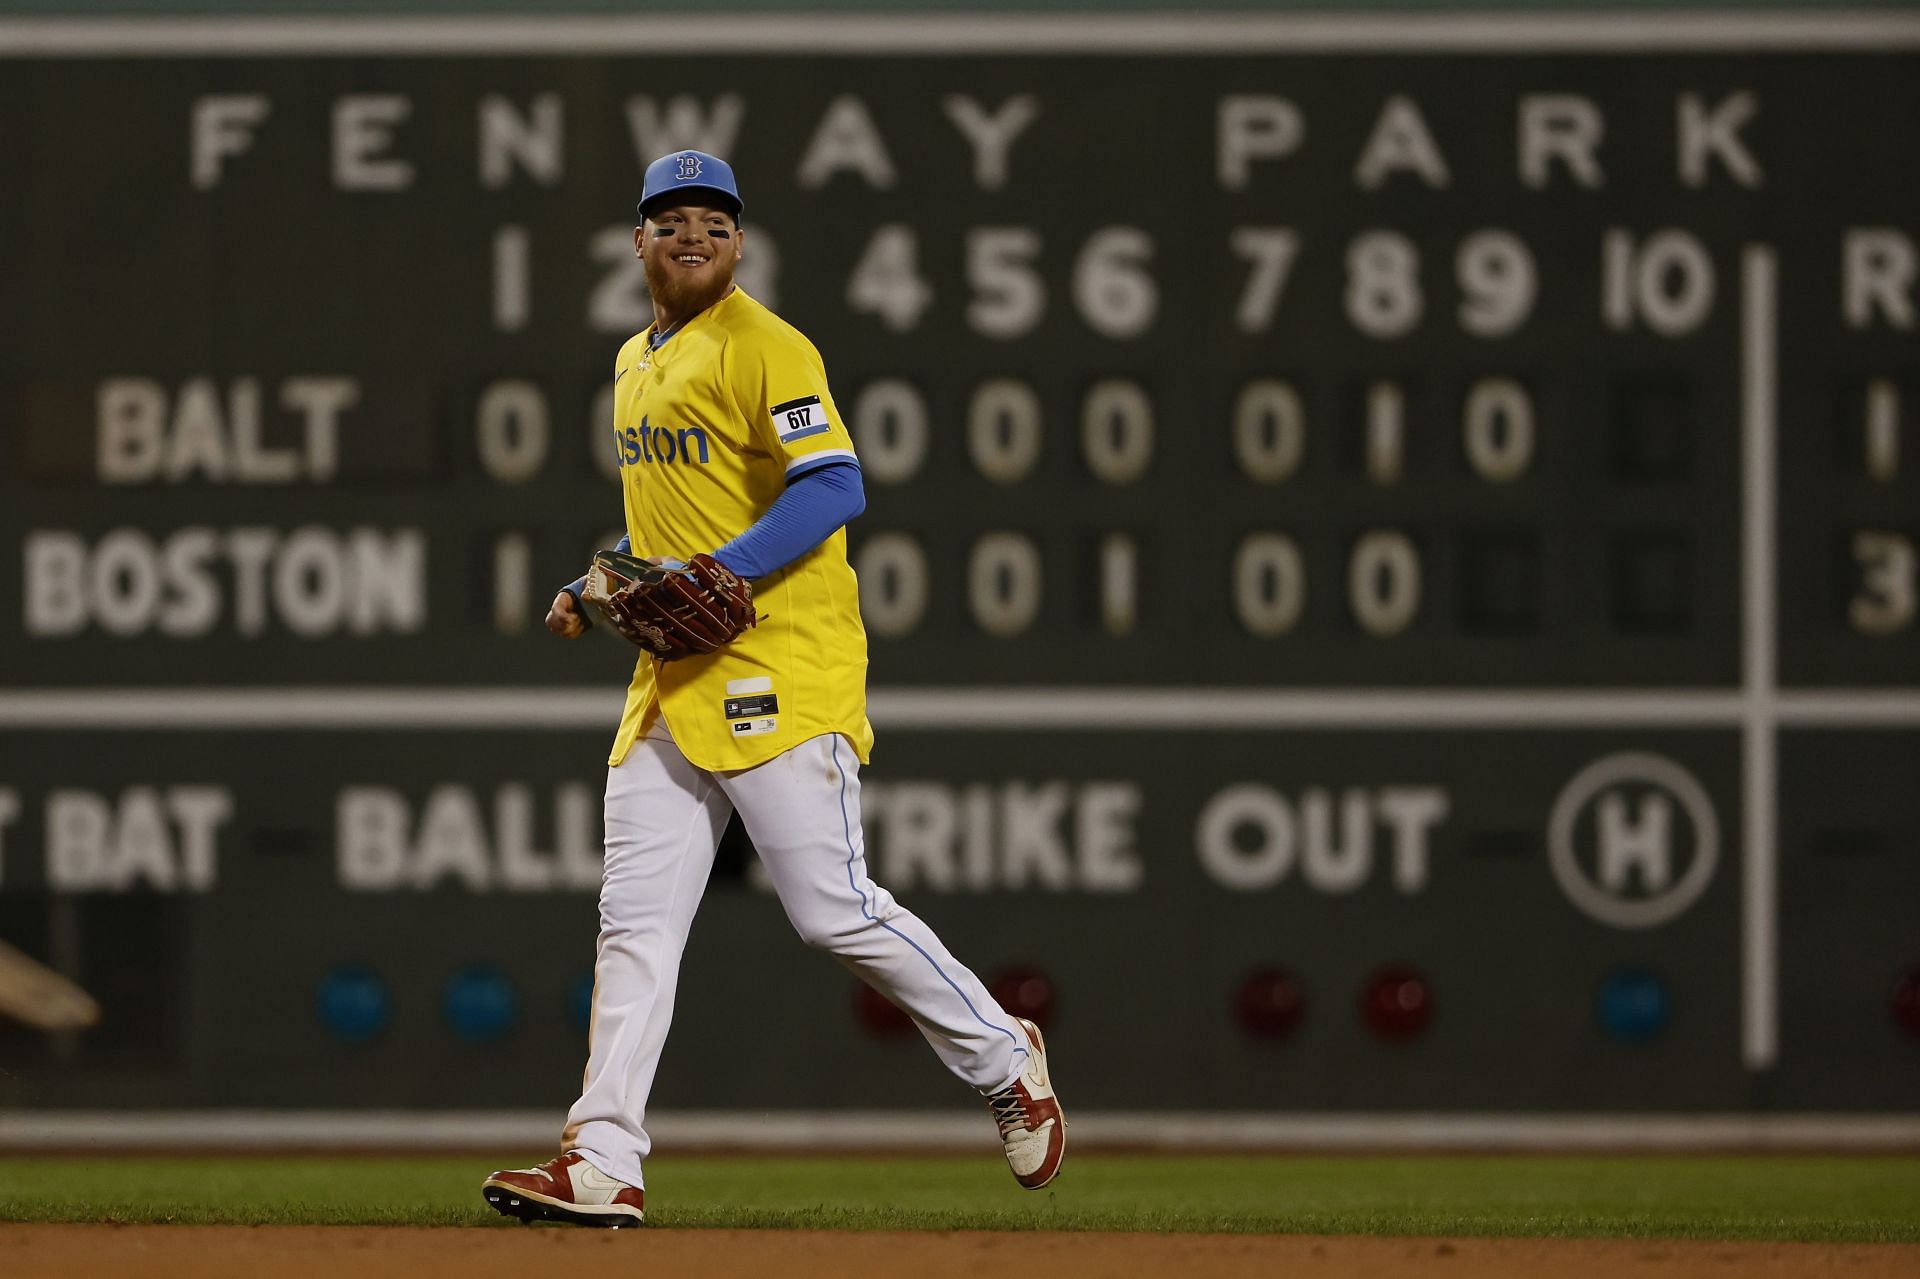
(1025, 992)
(1906, 1002)
(1397, 1002)
(1269, 1003)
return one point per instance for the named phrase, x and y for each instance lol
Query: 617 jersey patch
(798, 419)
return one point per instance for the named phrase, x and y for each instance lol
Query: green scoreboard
(1357, 505)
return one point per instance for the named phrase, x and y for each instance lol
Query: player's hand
(564, 618)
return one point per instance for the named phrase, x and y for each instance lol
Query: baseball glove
(672, 610)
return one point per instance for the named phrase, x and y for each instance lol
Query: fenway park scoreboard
(1377, 500)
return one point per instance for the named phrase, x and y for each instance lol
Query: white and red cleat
(565, 1189)
(1033, 1128)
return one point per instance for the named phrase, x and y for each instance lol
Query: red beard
(677, 293)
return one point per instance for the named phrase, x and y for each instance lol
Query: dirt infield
(310, 1252)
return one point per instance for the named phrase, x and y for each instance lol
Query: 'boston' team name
(646, 443)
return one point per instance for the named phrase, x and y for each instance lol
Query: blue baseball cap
(686, 173)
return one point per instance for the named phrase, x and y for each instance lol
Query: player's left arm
(779, 386)
(816, 504)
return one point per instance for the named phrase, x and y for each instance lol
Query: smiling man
(733, 457)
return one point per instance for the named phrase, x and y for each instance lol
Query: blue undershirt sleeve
(573, 588)
(815, 504)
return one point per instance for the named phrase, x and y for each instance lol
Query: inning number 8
(1383, 284)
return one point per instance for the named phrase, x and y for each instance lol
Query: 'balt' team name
(646, 443)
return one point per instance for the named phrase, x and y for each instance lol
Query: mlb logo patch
(743, 707)
(798, 419)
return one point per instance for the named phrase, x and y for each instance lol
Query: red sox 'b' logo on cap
(689, 168)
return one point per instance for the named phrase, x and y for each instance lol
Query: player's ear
(640, 241)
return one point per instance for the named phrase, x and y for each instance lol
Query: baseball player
(738, 476)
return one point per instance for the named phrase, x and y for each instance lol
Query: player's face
(690, 252)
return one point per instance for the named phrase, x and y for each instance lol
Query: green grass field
(1859, 1199)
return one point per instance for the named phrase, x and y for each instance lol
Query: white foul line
(1760, 1016)
(951, 34)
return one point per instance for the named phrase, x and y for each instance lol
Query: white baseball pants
(664, 818)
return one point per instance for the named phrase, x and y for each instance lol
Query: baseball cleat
(1033, 1128)
(565, 1189)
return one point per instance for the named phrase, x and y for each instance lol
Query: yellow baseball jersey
(708, 427)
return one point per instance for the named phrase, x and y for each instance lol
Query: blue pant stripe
(847, 828)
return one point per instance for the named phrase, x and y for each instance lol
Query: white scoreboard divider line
(849, 35)
(1760, 930)
(511, 708)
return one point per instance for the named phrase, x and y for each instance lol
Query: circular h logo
(1633, 840)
